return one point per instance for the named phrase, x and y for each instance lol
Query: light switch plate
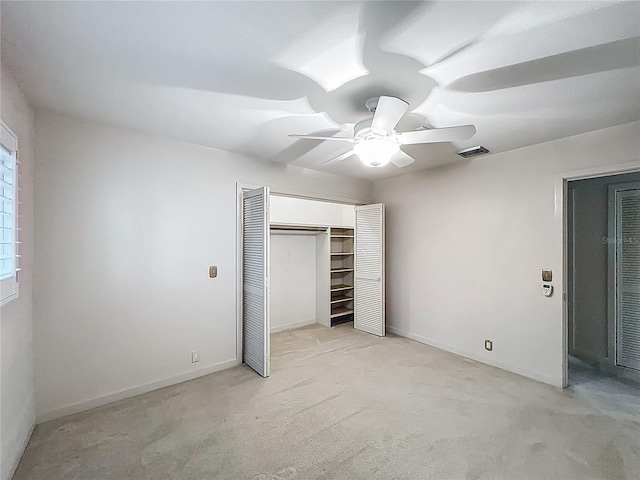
(213, 271)
(547, 275)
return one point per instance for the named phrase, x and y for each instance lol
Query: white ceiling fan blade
(401, 159)
(448, 134)
(388, 113)
(339, 158)
(320, 137)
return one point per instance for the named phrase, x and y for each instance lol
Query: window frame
(9, 287)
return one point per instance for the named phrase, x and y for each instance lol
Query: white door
(369, 270)
(255, 280)
(627, 275)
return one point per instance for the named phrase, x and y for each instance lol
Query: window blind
(9, 215)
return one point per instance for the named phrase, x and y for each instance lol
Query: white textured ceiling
(241, 76)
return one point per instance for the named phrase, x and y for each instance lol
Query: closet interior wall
(293, 279)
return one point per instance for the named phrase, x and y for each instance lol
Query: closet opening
(304, 262)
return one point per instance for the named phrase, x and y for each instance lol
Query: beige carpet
(341, 404)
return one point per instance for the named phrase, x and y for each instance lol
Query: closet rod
(295, 228)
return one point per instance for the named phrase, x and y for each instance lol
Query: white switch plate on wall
(195, 356)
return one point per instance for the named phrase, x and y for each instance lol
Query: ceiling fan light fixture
(376, 152)
(377, 142)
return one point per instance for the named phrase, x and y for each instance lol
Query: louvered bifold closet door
(369, 270)
(628, 278)
(255, 280)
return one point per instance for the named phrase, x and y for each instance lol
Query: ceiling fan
(376, 141)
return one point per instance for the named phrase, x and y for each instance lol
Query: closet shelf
(342, 286)
(340, 299)
(342, 255)
(341, 311)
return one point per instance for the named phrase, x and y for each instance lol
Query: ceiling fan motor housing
(363, 131)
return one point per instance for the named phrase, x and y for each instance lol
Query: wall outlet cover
(488, 345)
(195, 356)
(213, 271)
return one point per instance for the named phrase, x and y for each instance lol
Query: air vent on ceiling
(473, 151)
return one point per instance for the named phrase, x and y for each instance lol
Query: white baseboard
(289, 326)
(132, 392)
(20, 452)
(478, 358)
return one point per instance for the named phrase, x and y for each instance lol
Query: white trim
(478, 358)
(13, 295)
(12, 148)
(291, 326)
(561, 233)
(132, 392)
(20, 452)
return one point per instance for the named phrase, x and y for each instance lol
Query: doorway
(603, 307)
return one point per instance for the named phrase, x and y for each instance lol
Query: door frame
(561, 215)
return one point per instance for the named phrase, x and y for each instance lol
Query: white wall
(466, 244)
(293, 281)
(128, 224)
(17, 417)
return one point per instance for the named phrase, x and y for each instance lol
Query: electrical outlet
(488, 345)
(195, 356)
